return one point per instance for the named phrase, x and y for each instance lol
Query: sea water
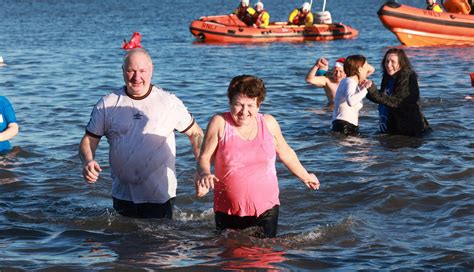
(385, 202)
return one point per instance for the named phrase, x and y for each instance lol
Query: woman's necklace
(250, 132)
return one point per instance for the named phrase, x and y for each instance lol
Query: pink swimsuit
(248, 184)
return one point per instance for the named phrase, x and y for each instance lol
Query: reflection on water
(242, 257)
(7, 165)
(399, 141)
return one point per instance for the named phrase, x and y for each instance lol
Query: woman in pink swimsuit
(243, 145)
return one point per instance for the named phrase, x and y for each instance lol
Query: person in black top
(399, 97)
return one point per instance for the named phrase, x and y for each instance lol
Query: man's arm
(195, 136)
(87, 148)
(313, 79)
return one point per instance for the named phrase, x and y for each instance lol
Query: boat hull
(419, 27)
(225, 29)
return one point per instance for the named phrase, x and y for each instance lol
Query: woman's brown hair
(353, 64)
(250, 86)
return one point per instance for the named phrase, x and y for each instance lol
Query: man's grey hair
(133, 52)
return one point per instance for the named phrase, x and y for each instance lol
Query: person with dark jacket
(399, 97)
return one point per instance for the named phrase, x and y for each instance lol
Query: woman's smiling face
(391, 64)
(243, 109)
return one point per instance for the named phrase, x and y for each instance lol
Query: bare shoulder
(216, 125)
(272, 123)
(217, 119)
(269, 118)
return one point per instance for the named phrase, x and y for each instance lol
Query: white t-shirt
(142, 148)
(348, 101)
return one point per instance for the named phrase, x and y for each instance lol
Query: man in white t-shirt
(139, 121)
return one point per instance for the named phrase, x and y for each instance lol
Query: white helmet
(244, 2)
(259, 4)
(306, 6)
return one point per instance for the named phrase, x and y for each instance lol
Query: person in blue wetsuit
(8, 124)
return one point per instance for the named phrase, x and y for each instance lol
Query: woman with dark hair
(399, 97)
(349, 95)
(243, 145)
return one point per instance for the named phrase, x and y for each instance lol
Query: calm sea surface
(385, 202)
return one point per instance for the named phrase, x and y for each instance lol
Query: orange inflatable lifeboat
(229, 29)
(419, 27)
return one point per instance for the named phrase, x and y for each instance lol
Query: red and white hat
(340, 62)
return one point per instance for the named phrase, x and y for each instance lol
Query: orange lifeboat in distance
(420, 27)
(229, 29)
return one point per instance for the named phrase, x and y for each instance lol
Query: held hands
(312, 182)
(365, 83)
(91, 171)
(204, 183)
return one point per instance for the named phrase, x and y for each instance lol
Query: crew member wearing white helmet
(432, 5)
(261, 16)
(301, 16)
(244, 12)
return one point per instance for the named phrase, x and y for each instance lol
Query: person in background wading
(8, 125)
(399, 97)
(318, 77)
(349, 95)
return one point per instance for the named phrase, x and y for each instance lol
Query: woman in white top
(349, 95)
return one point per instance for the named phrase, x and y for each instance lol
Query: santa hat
(340, 62)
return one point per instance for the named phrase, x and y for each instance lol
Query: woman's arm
(288, 156)
(211, 139)
(355, 94)
(405, 89)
